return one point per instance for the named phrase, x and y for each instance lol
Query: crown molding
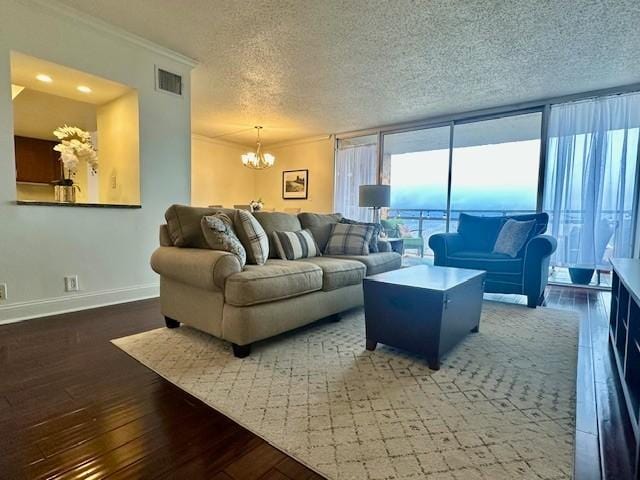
(61, 10)
(220, 141)
(299, 141)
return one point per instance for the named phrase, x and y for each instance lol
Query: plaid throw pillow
(349, 240)
(373, 244)
(253, 237)
(295, 245)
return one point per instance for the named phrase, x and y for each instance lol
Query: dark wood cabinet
(624, 335)
(36, 161)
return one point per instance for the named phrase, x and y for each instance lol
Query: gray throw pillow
(348, 239)
(218, 232)
(512, 237)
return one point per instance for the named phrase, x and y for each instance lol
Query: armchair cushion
(491, 262)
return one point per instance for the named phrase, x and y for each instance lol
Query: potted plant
(75, 145)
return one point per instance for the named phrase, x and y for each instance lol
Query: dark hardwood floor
(74, 406)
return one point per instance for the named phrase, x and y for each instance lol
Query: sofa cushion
(491, 262)
(183, 224)
(349, 239)
(295, 245)
(338, 272)
(376, 262)
(275, 280)
(253, 237)
(479, 232)
(277, 222)
(320, 225)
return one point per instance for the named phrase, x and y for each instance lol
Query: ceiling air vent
(168, 82)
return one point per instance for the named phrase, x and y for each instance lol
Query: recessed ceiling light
(44, 78)
(84, 89)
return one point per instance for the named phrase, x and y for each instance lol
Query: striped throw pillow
(295, 245)
(348, 239)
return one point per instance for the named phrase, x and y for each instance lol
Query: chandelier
(258, 160)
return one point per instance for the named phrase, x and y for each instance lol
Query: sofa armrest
(444, 244)
(536, 267)
(539, 247)
(207, 269)
(384, 246)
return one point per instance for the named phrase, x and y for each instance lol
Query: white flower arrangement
(256, 205)
(75, 145)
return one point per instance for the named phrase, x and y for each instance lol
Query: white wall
(313, 154)
(217, 174)
(109, 249)
(119, 150)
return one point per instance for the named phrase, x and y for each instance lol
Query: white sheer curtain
(591, 179)
(355, 166)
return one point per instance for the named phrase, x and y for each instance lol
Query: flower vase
(65, 193)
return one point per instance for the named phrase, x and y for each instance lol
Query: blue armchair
(472, 247)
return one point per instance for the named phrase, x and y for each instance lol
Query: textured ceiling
(311, 67)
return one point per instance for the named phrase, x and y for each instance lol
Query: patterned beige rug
(501, 407)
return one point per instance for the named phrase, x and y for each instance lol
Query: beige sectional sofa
(208, 289)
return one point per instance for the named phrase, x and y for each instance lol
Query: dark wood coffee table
(423, 309)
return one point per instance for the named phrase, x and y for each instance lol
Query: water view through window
(494, 171)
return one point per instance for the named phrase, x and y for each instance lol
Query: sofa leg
(541, 300)
(171, 323)
(533, 301)
(241, 351)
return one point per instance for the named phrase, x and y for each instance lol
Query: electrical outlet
(71, 283)
(3, 291)
(114, 181)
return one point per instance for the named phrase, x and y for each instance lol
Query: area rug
(501, 407)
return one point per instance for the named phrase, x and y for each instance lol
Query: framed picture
(295, 184)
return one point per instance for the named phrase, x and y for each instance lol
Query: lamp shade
(375, 196)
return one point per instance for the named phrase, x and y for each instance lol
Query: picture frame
(295, 184)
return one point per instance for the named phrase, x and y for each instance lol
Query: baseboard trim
(20, 311)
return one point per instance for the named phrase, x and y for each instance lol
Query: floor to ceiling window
(591, 183)
(493, 165)
(416, 165)
(356, 164)
(485, 167)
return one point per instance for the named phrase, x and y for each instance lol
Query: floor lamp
(375, 197)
